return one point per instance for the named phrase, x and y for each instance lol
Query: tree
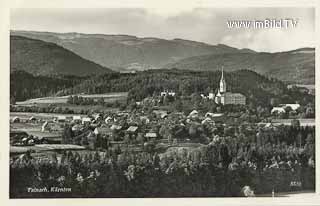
(67, 135)
(12, 100)
(295, 123)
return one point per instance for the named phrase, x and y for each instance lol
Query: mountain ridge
(126, 51)
(44, 58)
(296, 66)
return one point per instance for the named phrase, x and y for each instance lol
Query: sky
(208, 25)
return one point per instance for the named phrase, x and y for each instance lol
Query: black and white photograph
(159, 103)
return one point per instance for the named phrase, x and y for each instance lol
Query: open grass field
(108, 97)
(303, 122)
(42, 116)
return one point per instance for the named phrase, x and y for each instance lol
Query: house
(294, 107)
(15, 119)
(115, 127)
(132, 129)
(45, 126)
(102, 131)
(211, 95)
(76, 119)
(97, 117)
(160, 113)
(62, 118)
(278, 110)
(150, 135)
(193, 114)
(86, 120)
(77, 128)
(108, 120)
(203, 96)
(167, 93)
(207, 121)
(145, 119)
(164, 115)
(32, 118)
(212, 115)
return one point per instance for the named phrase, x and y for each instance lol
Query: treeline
(24, 85)
(258, 89)
(79, 100)
(211, 171)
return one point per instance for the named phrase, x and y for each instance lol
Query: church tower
(223, 85)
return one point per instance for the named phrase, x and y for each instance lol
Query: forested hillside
(257, 88)
(42, 58)
(126, 52)
(296, 66)
(25, 86)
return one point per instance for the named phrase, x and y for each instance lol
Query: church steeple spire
(222, 73)
(223, 85)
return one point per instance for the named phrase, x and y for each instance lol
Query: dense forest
(258, 89)
(293, 66)
(219, 169)
(24, 85)
(43, 58)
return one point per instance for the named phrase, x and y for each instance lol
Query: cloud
(201, 24)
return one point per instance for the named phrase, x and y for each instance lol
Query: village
(140, 127)
(144, 103)
(170, 138)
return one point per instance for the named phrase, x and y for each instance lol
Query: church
(223, 97)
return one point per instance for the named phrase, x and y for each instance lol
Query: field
(108, 97)
(303, 122)
(43, 116)
(308, 86)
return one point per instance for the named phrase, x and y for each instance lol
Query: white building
(62, 118)
(45, 126)
(294, 107)
(278, 110)
(76, 119)
(86, 120)
(167, 93)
